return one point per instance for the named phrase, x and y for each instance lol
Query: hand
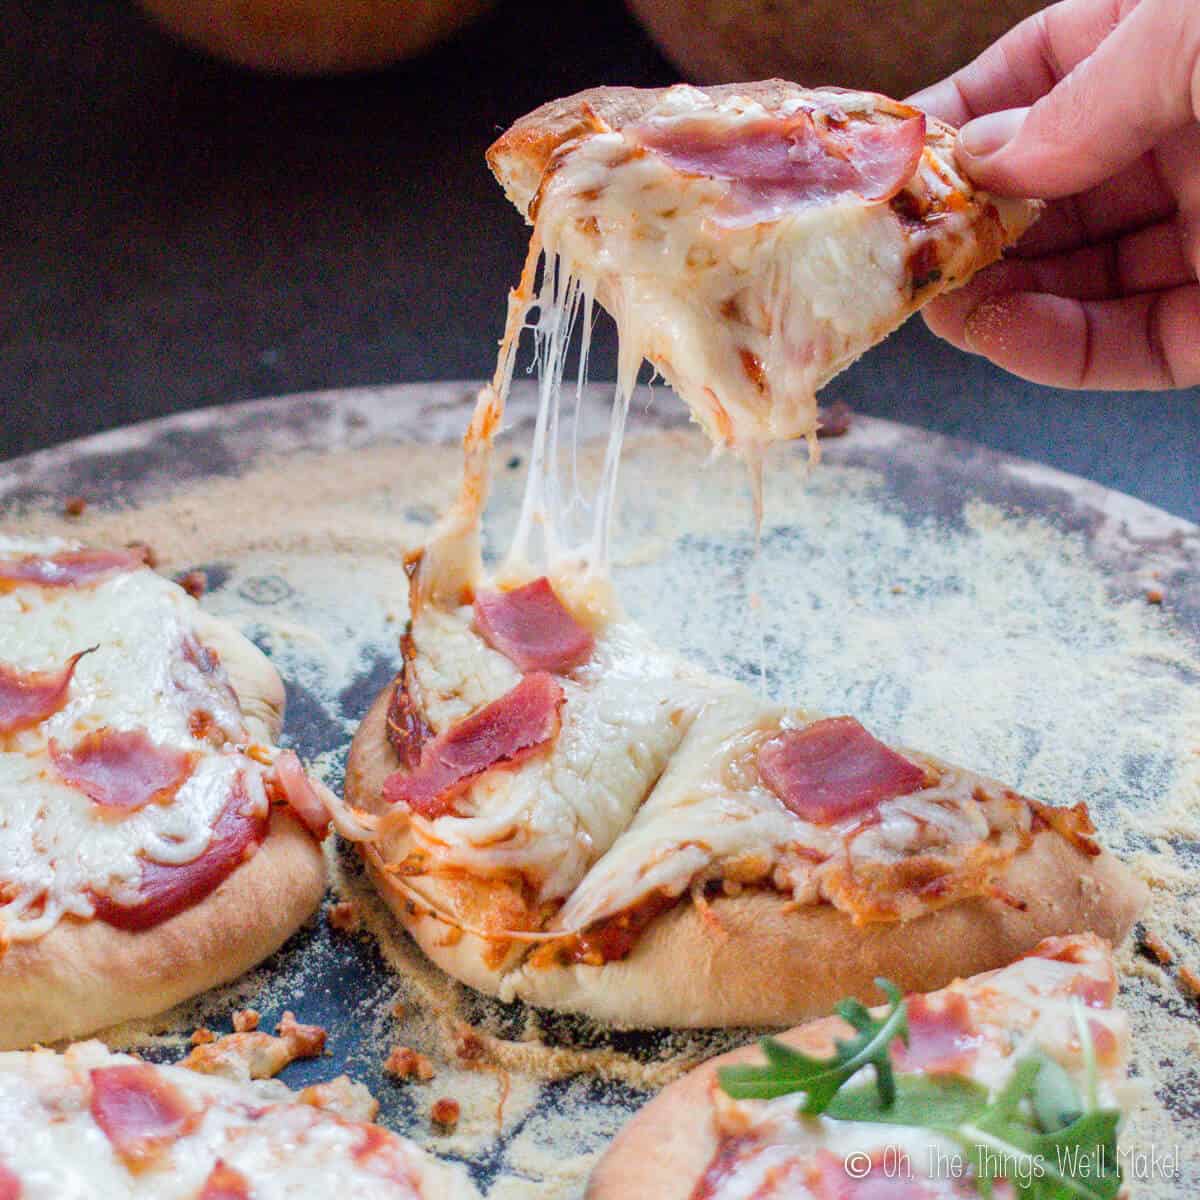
(1095, 106)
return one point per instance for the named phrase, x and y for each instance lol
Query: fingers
(1025, 63)
(1141, 83)
(1146, 341)
(1151, 259)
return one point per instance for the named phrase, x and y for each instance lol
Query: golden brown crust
(754, 959)
(415, 902)
(84, 975)
(663, 1153)
(768, 964)
(259, 689)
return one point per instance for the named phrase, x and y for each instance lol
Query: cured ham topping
(165, 890)
(225, 1183)
(122, 770)
(776, 165)
(301, 795)
(832, 1180)
(941, 1038)
(138, 1110)
(834, 769)
(502, 734)
(70, 568)
(27, 698)
(10, 1185)
(530, 626)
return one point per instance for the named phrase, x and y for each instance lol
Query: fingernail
(988, 134)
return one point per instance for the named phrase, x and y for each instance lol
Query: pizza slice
(570, 815)
(1010, 1083)
(144, 808)
(750, 240)
(90, 1123)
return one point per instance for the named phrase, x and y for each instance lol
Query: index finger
(1026, 62)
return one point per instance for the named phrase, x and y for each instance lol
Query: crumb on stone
(203, 1037)
(1190, 982)
(406, 1063)
(74, 506)
(245, 1020)
(1156, 948)
(445, 1113)
(307, 1040)
(344, 916)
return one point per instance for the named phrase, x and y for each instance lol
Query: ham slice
(776, 165)
(881, 1181)
(167, 889)
(502, 734)
(834, 769)
(10, 1185)
(27, 698)
(121, 771)
(138, 1110)
(301, 795)
(530, 626)
(225, 1183)
(941, 1038)
(69, 568)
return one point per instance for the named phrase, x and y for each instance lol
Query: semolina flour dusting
(994, 615)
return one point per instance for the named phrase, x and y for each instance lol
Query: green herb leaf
(1037, 1132)
(924, 1101)
(788, 1070)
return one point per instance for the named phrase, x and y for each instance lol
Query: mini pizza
(153, 840)
(570, 815)
(1011, 1079)
(750, 240)
(90, 1123)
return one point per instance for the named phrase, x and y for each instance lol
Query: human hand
(1102, 292)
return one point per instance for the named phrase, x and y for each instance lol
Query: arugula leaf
(1053, 1097)
(787, 1070)
(924, 1101)
(1036, 1132)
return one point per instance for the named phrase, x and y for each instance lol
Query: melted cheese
(626, 712)
(56, 846)
(745, 323)
(652, 785)
(1022, 1008)
(283, 1148)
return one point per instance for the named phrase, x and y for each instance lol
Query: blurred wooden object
(313, 37)
(889, 46)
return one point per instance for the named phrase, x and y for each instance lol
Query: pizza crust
(664, 1151)
(756, 960)
(259, 689)
(460, 954)
(520, 155)
(84, 975)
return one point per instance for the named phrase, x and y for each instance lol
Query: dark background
(177, 233)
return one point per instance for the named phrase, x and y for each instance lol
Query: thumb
(1141, 83)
